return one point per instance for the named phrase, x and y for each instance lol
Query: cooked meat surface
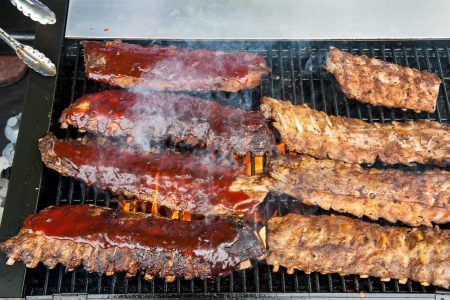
(171, 117)
(414, 198)
(170, 68)
(337, 244)
(315, 133)
(180, 181)
(105, 240)
(380, 83)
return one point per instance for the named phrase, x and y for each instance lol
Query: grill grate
(296, 76)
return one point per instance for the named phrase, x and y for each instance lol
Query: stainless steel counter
(259, 19)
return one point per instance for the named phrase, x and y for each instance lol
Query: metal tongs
(36, 10)
(30, 56)
(34, 59)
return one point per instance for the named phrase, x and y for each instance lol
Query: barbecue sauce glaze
(173, 117)
(105, 228)
(193, 184)
(131, 242)
(185, 69)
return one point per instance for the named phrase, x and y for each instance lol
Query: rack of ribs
(170, 68)
(414, 198)
(308, 131)
(380, 83)
(107, 241)
(177, 118)
(197, 184)
(338, 244)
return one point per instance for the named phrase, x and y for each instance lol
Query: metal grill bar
(289, 80)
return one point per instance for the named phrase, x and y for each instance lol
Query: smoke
(315, 63)
(173, 120)
(190, 73)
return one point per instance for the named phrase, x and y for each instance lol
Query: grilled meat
(337, 244)
(380, 83)
(179, 181)
(315, 133)
(170, 68)
(171, 117)
(108, 241)
(414, 198)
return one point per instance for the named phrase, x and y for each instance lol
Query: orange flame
(282, 148)
(135, 205)
(185, 216)
(247, 160)
(175, 215)
(154, 209)
(157, 184)
(275, 213)
(248, 164)
(124, 205)
(258, 164)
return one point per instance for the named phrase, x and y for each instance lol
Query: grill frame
(31, 184)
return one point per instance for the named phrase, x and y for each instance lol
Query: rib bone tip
(290, 271)
(385, 279)
(425, 283)
(275, 268)
(363, 276)
(245, 264)
(109, 273)
(31, 265)
(262, 235)
(402, 280)
(170, 278)
(10, 261)
(148, 277)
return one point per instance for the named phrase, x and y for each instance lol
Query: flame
(185, 216)
(248, 164)
(124, 205)
(175, 215)
(282, 148)
(258, 164)
(247, 160)
(156, 185)
(275, 213)
(292, 153)
(154, 209)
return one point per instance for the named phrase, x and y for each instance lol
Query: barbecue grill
(296, 75)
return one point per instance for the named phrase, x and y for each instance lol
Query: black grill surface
(297, 76)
